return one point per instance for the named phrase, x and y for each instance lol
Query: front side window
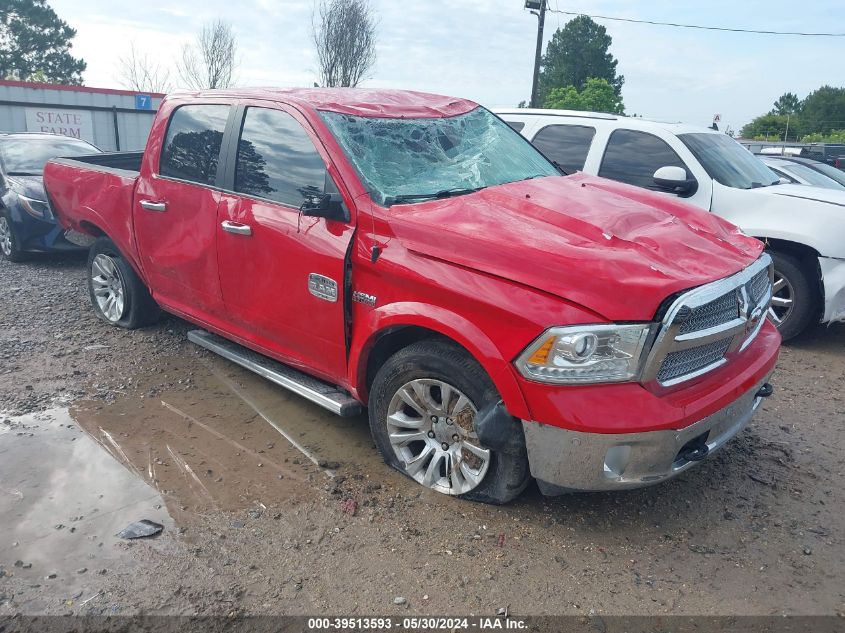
(276, 159)
(632, 157)
(567, 145)
(402, 160)
(727, 162)
(192, 145)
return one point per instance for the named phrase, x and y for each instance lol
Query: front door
(176, 212)
(282, 273)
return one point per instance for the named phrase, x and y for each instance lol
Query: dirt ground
(101, 427)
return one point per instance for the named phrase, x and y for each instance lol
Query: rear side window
(632, 157)
(276, 159)
(567, 145)
(192, 146)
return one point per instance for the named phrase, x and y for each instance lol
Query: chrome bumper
(564, 461)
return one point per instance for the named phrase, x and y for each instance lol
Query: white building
(110, 119)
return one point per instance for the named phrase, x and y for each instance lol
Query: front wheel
(423, 405)
(118, 295)
(9, 245)
(795, 296)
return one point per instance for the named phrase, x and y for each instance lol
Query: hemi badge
(322, 287)
(363, 297)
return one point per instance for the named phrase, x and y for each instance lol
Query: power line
(697, 26)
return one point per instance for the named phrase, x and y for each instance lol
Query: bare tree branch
(344, 33)
(137, 72)
(211, 61)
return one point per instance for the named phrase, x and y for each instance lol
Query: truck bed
(94, 195)
(125, 161)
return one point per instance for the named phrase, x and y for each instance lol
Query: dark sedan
(27, 224)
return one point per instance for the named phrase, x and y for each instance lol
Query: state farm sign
(75, 123)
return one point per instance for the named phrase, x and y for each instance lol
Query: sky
(484, 49)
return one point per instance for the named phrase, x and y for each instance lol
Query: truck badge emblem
(322, 287)
(362, 297)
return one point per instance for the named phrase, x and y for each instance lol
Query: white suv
(803, 227)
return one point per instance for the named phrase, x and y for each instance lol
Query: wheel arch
(388, 332)
(806, 255)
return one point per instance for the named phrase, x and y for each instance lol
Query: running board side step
(322, 393)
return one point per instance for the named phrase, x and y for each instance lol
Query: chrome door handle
(237, 229)
(149, 205)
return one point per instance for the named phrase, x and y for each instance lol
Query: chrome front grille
(760, 283)
(711, 314)
(705, 326)
(687, 361)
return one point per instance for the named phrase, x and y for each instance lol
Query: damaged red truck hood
(617, 250)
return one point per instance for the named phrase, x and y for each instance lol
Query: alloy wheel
(430, 428)
(783, 296)
(5, 236)
(108, 287)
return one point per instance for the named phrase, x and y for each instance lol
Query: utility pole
(538, 8)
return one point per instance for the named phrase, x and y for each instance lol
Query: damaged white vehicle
(802, 226)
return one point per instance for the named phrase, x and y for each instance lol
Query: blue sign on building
(143, 102)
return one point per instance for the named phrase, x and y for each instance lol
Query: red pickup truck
(411, 254)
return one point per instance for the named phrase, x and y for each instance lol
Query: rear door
(176, 211)
(281, 273)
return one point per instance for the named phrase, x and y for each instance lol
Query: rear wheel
(118, 295)
(9, 245)
(795, 296)
(423, 405)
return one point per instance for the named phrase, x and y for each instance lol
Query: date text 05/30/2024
(415, 624)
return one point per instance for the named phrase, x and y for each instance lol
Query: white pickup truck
(802, 226)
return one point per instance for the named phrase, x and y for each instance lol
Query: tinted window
(276, 159)
(633, 157)
(516, 126)
(728, 162)
(192, 145)
(566, 144)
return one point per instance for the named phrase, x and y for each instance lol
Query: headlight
(585, 354)
(36, 208)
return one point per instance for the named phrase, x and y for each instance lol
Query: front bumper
(833, 278)
(562, 460)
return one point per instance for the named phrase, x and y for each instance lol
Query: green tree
(577, 52)
(824, 110)
(773, 127)
(835, 136)
(34, 40)
(597, 96)
(787, 103)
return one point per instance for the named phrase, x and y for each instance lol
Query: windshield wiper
(443, 193)
(560, 168)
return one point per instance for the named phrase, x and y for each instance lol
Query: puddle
(63, 499)
(229, 441)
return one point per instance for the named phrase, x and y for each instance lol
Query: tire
(424, 371)
(111, 277)
(9, 244)
(794, 283)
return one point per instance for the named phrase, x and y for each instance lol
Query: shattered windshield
(403, 160)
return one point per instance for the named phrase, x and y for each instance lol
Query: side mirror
(674, 179)
(327, 205)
